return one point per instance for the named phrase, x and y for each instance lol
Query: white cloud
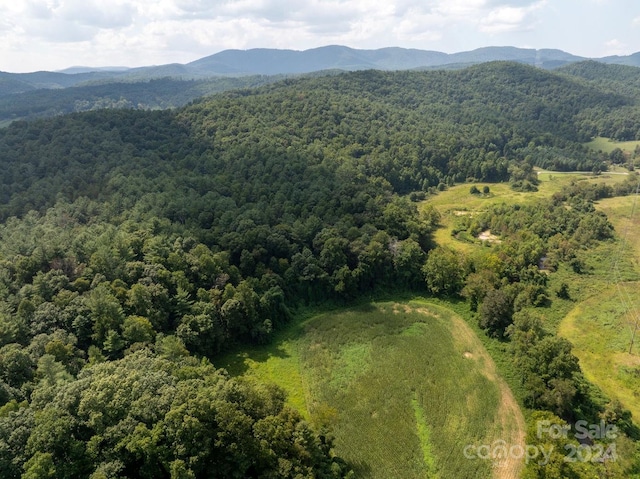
(141, 32)
(508, 18)
(6, 24)
(39, 10)
(460, 9)
(615, 47)
(70, 21)
(196, 7)
(94, 13)
(419, 26)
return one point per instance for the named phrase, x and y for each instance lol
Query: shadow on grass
(237, 360)
(237, 363)
(633, 432)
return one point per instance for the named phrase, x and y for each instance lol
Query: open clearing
(600, 330)
(404, 387)
(607, 145)
(601, 326)
(457, 201)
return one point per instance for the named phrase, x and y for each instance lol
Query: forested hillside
(415, 130)
(620, 123)
(138, 241)
(154, 94)
(291, 192)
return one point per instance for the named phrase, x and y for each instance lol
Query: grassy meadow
(403, 387)
(600, 329)
(607, 145)
(457, 201)
(600, 316)
(602, 325)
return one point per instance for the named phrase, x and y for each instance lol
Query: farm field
(403, 387)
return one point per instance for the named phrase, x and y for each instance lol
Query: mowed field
(403, 387)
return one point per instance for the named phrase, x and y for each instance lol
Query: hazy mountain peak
(270, 61)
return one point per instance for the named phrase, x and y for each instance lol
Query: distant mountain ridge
(267, 61)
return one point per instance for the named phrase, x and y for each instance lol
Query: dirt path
(512, 427)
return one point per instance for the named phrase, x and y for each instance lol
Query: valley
(367, 274)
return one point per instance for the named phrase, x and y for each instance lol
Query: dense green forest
(620, 123)
(153, 241)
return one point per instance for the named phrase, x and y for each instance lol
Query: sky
(56, 34)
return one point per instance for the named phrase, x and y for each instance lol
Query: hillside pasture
(602, 326)
(600, 330)
(607, 145)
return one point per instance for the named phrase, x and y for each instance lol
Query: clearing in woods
(607, 145)
(456, 201)
(404, 387)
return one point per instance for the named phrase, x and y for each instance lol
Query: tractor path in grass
(512, 424)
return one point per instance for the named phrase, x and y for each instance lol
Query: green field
(457, 201)
(607, 145)
(404, 387)
(601, 326)
(600, 329)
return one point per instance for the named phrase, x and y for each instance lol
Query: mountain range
(265, 61)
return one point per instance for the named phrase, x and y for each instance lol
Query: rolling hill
(269, 61)
(139, 247)
(44, 94)
(449, 126)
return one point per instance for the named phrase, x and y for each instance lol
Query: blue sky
(55, 34)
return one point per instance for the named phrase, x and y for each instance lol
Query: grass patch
(420, 385)
(600, 330)
(424, 433)
(607, 145)
(403, 386)
(623, 213)
(456, 201)
(277, 362)
(600, 324)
